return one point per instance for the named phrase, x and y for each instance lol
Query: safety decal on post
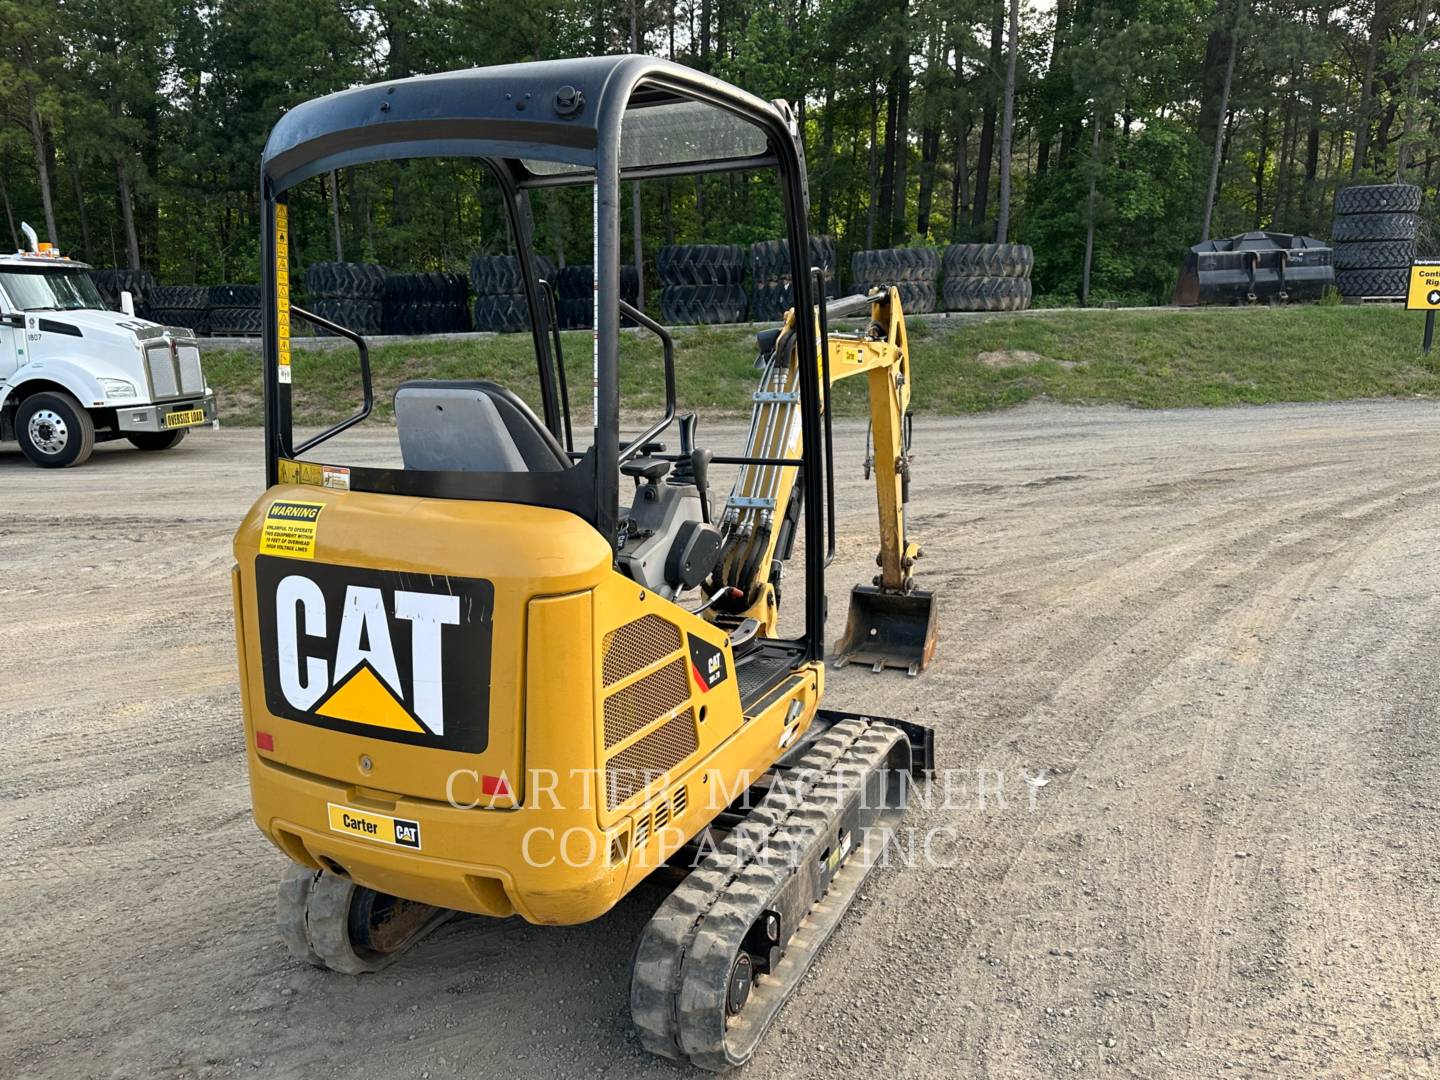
(282, 288)
(290, 528)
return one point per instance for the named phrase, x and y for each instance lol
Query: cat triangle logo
(365, 699)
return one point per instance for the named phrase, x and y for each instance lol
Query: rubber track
(683, 959)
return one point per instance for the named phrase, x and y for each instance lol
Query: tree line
(1108, 134)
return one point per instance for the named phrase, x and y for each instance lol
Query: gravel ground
(1201, 636)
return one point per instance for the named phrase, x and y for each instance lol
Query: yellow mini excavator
(480, 682)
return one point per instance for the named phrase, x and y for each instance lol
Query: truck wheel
(54, 431)
(156, 440)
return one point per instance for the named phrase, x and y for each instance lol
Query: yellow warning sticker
(282, 288)
(1424, 291)
(380, 828)
(290, 528)
(335, 477)
(300, 472)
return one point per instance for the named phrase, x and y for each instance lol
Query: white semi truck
(74, 373)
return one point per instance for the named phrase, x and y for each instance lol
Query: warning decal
(290, 529)
(282, 288)
(335, 477)
(1424, 291)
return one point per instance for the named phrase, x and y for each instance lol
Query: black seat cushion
(523, 435)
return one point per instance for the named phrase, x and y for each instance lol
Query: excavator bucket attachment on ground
(888, 629)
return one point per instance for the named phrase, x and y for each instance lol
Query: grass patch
(1146, 359)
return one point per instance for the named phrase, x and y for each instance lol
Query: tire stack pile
(234, 310)
(500, 292)
(987, 277)
(181, 305)
(701, 284)
(575, 294)
(1374, 239)
(913, 271)
(425, 303)
(112, 283)
(770, 275)
(351, 294)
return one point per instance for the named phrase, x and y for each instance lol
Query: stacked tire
(181, 305)
(915, 272)
(425, 303)
(234, 310)
(987, 277)
(350, 294)
(1374, 239)
(111, 283)
(575, 294)
(498, 282)
(770, 275)
(701, 284)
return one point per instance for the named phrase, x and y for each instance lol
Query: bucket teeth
(888, 629)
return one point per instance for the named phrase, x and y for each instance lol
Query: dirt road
(1206, 637)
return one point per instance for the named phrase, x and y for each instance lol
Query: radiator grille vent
(192, 379)
(164, 378)
(682, 800)
(642, 703)
(642, 830)
(639, 765)
(637, 645)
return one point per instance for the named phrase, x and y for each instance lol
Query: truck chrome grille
(192, 381)
(164, 378)
(173, 374)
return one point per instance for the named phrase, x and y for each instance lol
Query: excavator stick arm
(891, 623)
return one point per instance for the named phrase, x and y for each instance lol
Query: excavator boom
(890, 622)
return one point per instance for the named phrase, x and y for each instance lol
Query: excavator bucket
(888, 629)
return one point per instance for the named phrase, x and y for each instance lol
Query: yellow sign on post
(1424, 295)
(1424, 291)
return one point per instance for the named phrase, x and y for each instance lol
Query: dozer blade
(888, 629)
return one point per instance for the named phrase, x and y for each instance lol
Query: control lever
(687, 432)
(700, 470)
(724, 592)
(694, 465)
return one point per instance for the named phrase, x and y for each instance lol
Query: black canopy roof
(555, 112)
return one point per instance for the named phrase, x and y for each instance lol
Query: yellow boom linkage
(890, 623)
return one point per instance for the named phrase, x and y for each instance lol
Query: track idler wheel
(330, 921)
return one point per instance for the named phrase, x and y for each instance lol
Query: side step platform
(728, 947)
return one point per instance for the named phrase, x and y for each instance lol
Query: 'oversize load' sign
(1424, 291)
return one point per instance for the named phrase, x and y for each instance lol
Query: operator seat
(472, 426)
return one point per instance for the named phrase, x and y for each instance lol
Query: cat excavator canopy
(479, 681)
